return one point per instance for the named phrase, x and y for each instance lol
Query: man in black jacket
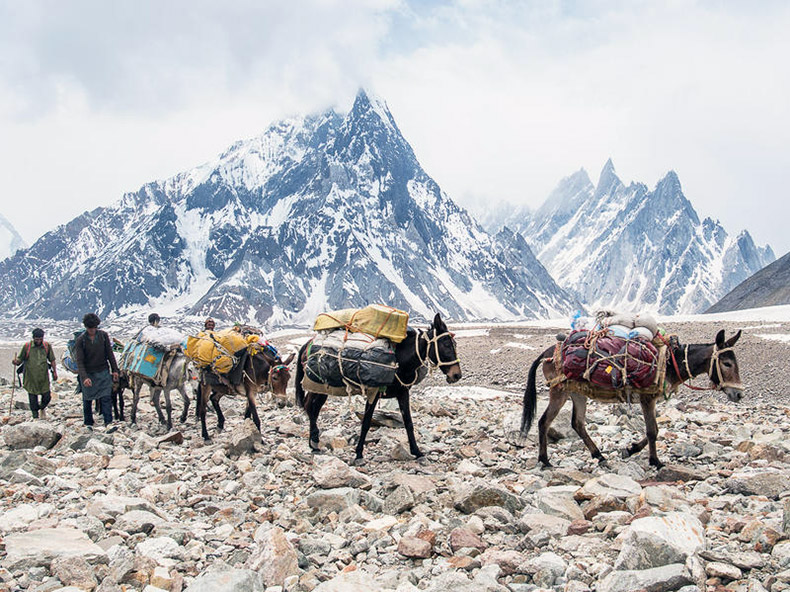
(95, 360)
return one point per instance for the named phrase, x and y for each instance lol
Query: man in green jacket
(38, 357)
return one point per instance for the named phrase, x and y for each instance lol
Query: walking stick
(11, 403)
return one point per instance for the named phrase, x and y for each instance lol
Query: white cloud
(499, 99)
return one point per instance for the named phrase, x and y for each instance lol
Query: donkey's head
(723, 369)
(279, 375)
(441, 350)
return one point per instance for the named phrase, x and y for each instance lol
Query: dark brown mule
(260, 371)
(435, 346)
(683, 362)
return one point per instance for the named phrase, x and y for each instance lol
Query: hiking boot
(89, 428)
(42, 414)
(109, 429)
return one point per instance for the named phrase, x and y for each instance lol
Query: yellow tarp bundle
(217, 349)
(377, 320)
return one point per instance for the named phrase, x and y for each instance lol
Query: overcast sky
(499, 99)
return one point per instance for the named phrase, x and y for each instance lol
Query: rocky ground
(142, 509)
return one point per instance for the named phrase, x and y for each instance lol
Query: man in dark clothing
(38, 358)
(95, 359)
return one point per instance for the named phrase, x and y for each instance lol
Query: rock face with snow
(768, 287)
(628, 247)
(10, 241)
(325, 211)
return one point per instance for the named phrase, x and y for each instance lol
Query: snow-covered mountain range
(319, 212)
(632, 248)
(10, 241)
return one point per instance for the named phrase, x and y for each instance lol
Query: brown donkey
(682, 363)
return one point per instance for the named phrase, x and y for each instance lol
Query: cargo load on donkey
(353, 350)
(620, 352)
(221, 354)
(144, 355)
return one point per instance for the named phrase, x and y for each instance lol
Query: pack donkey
(177, 376)
(436, 347)
(260, 371)
(682, 363)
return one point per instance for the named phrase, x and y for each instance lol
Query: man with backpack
(38, 358)
(95, 360)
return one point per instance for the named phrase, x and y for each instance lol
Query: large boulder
(25, 461)
(244, 439)
(660, 540)
(276, 558)
(479, 496)
(332, 473)
(227, 579)
(31, 434)
(770, 483)
(609, 485)
(656, 579)
(40, 547)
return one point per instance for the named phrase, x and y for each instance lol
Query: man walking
(38, 358)
(95, 360)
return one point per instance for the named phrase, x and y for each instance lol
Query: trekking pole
(11, 403)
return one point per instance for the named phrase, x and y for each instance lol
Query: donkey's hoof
(656, 463)
(625, 453)
(359, 461)
(545, 464)
(314, 446)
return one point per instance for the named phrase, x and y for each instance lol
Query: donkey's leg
(156, 393)
(370, 407)
(185, 398)
(651, 428)
(405, 411)
(138, 385)
(202, 402)
(169, 407)
(634, 448)
(215, 397)
(579, 425)
(252, 409)
(557, 399)
(313, 404)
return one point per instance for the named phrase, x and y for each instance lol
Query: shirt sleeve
(51, 353)
(21, 356)
(79, 357)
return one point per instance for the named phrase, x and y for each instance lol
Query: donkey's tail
(530, 397)
(300, 394)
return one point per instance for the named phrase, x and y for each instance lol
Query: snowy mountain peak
(608, 181)
(320, 212)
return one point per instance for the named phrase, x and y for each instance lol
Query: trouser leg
(106, 409)
(33, 400)
(87, 412)
(45, 399)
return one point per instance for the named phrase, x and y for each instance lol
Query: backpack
(69, 359)
(20, 369)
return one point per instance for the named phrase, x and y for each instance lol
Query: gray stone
(557, 501)
(769, 483)
(609, 484)
(657, 579)
(28, 461)
(137, 521)
(20, 516)
(244, 439)
(332, 473)
(400, 500)
(781, 553)
(31, 434)
(41, 547)
(660, 540)
(553, 525)
(480, 496)
(276, 558)
(226, 579)
(414, 547)
(105, 507)
(337, 500)
(353, 581)
(74, 571)
(158, 548)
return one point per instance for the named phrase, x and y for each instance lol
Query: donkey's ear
(731, 341)
(289, 359)
(720, 339)
(438, 324)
